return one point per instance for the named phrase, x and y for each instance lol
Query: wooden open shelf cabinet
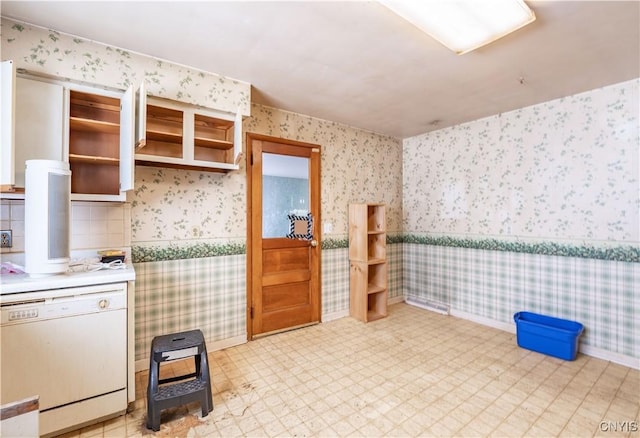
(368, 264)
(94, 143)
(184, 136)
(90, 127)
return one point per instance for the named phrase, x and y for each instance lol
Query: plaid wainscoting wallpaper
(174, 295)
(335, 281)
(209, 293)
(603, 295)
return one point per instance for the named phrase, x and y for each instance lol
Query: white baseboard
(433, 306)
(396, 300)
(143, 364)
(335, 315)
(618, 358)
(504, 326)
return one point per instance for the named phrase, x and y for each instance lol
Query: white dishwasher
(69, 347)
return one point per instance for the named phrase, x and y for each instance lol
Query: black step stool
(198, 388)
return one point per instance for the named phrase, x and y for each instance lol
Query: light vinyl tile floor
(414, 373)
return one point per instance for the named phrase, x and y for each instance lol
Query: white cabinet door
(7, 109)
(237, 138)
(39, 121)
(141, 116)
(133, 114)
(127, 139)
(32, 123)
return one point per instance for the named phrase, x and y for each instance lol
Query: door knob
(314, 243)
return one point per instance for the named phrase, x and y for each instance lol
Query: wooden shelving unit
(164, 136)
(213, 139)
(94, 143)
(184, 136)
(368, 263)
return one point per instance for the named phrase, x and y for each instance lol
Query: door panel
(285, 259)
(283, 273)
(288, 295)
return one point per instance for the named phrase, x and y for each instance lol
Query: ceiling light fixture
(464, 25)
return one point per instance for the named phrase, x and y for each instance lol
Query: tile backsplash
(12, 218)
(94, 225)
(100, 225)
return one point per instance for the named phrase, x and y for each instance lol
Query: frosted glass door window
(285, 191)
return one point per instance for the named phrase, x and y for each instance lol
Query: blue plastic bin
(548, 335)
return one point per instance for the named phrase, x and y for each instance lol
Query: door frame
(250, 137)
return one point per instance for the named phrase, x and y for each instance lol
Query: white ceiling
(357, 63)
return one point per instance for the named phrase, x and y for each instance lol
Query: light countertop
(16, 283)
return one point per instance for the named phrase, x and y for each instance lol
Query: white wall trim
(143, 364)
(504, 326)
(611, 356)
(395, 300)
(335, 315)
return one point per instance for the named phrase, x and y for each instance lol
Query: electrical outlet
(5, 239)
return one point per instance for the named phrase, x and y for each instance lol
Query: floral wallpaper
(43, 51)
(564, 169)
(356, 166)
(179, 207)
(183, 205)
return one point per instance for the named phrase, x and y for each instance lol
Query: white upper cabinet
(39, 116)
(7, 110)
(92, 128)
(185, 136)
(34, 127)
(100, 127)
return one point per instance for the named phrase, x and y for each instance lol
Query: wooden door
(283, 274)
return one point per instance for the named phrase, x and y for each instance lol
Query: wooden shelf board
(94, 100)
(181, 164)
(373, 316)
(91, 125)
(11, 189)
(161, 149)
(209, 126)
(205, 142)
(164, 136)
(376, 261)
(164, 113)
(76, 158)
(374, 289)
